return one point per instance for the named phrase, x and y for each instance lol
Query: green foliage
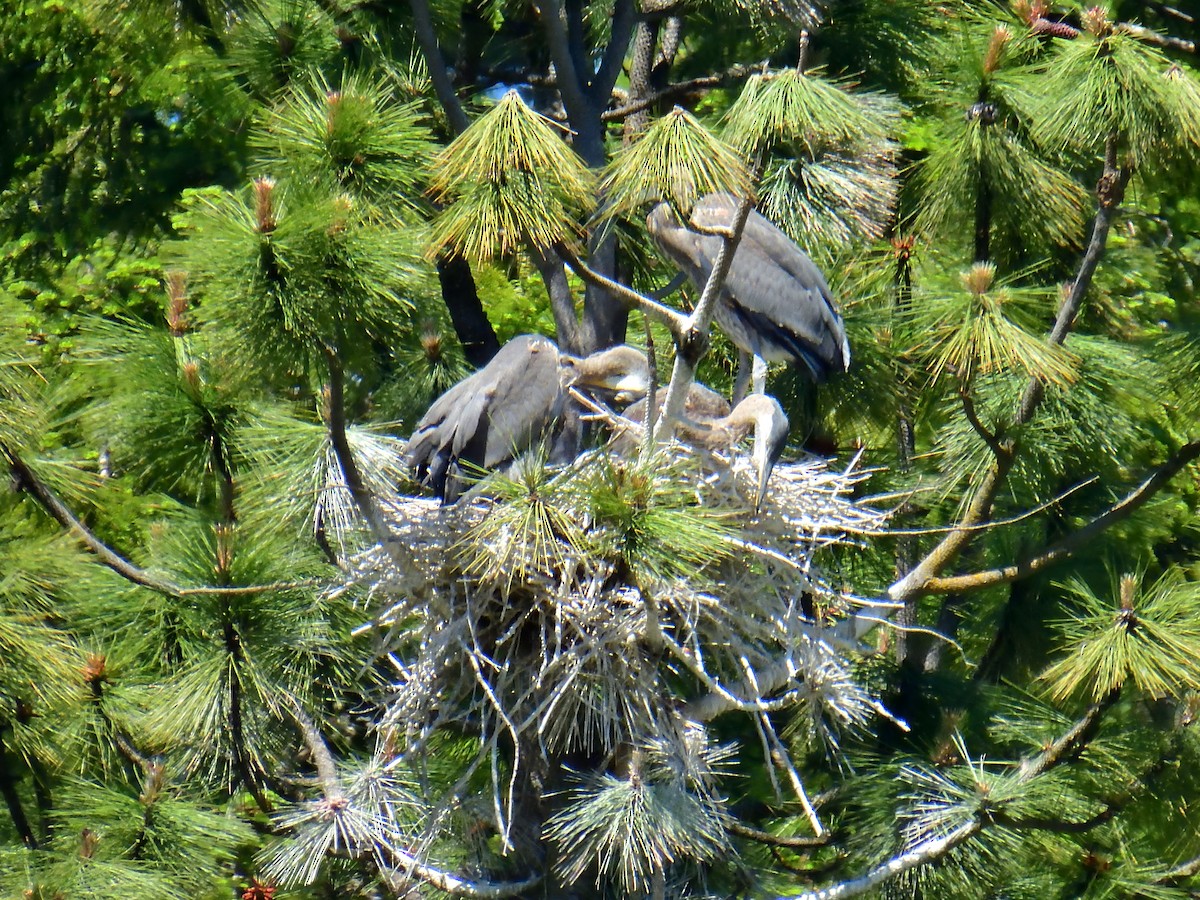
(1151, 639)
(677, 160)
(507, 179)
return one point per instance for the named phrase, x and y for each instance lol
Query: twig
(772, 840)
(674, 90)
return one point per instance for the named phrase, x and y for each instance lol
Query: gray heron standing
(516, 401)
(774, 304)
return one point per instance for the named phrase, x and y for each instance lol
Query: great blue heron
(708, 422)
(517, 400)
(774, 303)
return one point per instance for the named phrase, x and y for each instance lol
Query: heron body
(518, 400)
(774, 303)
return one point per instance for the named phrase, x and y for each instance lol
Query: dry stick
(1074, 541)
(1110, 190)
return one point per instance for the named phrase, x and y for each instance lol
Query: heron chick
(708, 422)
(515, 402)
(762, 414)
(774, 303)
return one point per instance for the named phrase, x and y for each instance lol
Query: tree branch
(1064, 749)
(1110, 191)
(624, 19)
(774, 840)
(443, 87)
(1076, 540)
(675, 321)
(674, 90)
(363, 498)
(36, 488)
(692, 343)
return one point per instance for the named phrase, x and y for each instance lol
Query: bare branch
(774, 840)
(673, 91)
(1065, 748)
(436, 64)
(692, 342)
(675, 321)
(921, 855)
(1076, 540)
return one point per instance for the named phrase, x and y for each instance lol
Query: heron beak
(770, 437)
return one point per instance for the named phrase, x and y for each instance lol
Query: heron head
(623, 370)
(770, 424)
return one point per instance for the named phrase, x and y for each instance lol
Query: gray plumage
(515, 402)
(775, 303)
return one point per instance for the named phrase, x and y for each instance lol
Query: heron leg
(742, 382)
(760, 375)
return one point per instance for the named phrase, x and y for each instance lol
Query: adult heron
(774, 304)
(510, 405)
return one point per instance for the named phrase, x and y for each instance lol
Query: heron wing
(476, 420)
(523, 404)
(779, 292)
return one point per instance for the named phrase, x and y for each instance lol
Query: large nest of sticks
(608, 611)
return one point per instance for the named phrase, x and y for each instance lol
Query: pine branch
(678, 89)
(336, 800)
(28, 482)
(1063, 750)
(1071, 743)
(36, 488)
(972, 414)
(1110, 191)
(774, 840)
(922, 855)
(237, 734)
(1166, 41)
(1076, 540)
